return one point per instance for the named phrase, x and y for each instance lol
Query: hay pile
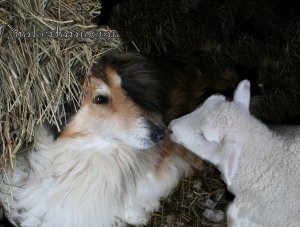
(38, 74)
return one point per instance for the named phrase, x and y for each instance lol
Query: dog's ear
(242, 94)
(231, 154)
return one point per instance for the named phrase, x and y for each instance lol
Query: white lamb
(261, 168)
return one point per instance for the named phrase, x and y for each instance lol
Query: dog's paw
(136, 216)
(151, 205)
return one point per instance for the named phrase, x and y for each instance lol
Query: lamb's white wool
(260, 167)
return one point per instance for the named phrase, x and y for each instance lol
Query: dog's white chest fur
(94, 185)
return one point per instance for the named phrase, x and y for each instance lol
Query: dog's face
(108, 112)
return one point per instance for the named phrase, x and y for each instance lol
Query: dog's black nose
(157, 133)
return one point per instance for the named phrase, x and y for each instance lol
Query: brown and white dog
(112, 163)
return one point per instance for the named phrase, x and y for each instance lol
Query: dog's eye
(100, 99)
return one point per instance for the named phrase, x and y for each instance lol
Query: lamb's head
(208, 130)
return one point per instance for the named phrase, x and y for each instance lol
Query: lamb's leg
(234, 220)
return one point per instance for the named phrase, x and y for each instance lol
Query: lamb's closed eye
(206, 137)
(202, 135)
(209, 134)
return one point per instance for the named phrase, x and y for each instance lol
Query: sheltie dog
(112, 162)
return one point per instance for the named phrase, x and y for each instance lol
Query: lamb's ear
(242, 94)
(231, 154)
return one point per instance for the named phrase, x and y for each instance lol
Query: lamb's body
(260, 167)
(267, 179)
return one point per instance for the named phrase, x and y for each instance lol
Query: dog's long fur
(105, 167)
